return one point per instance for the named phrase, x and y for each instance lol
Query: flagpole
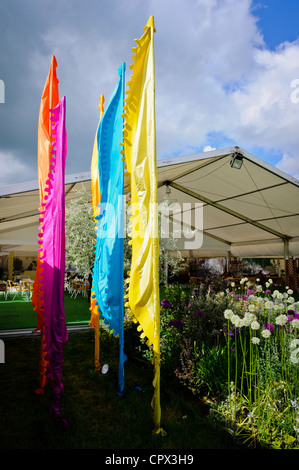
(95, 321)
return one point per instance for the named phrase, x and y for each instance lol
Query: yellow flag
(140, 157)
(96, 199)
(95, 186)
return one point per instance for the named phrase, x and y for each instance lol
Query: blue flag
(108, 273)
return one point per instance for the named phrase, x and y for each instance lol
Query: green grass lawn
(97, 417)
(19, 313)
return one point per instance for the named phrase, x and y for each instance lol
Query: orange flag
(49, 100)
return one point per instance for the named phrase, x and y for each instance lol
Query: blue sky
(224, 75)
(278, 20)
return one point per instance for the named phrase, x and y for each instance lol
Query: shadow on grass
(19, 313)
(97, 417)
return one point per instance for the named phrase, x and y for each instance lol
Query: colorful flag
(140, 155)
(49, 99)
(48, 295)
(108, 272)
(96, 199)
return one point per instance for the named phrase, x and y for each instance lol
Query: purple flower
(199, 314)
(178, 323)
(269, 327)
(189, 304)
(165, 304)
(250, 292)
(291, 312)
(268, 291)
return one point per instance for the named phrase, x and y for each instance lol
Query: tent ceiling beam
(210, 235)
(69, 189)
(23, 215)
(199, 167)
(10, 229)
(227, 210)
(266, 166)
(253, 192)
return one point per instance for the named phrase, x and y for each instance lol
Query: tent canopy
(250, 212)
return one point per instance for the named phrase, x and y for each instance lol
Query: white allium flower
(228, 314)
(267, 284)
(294, 357)
(281, 306)
(290, 292)
(260, 300)
(251, 298)
(232, 284)
(269, 304)
(255, 325)
(295, 323)
(251, 308)
(255, 340)
(234, 318)
(275, 293)
(257, 279)
(270, 281)
(276, 307)
(249, 317)
(237, 321)
(294, 343)
(281, 320)
(259, 288)
(291, 300)
(266, 333)
(279, 295)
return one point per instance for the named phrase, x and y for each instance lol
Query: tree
(79, 233)
(80, 240)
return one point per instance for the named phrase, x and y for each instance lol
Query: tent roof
(251, 212)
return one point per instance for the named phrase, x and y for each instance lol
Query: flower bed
(239, 351)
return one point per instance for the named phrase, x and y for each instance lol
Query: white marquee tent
(248, 212)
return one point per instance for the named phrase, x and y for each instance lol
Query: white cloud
(207, 148)
(267, 115)
(214, 75)
(289, 164)
(221, 78)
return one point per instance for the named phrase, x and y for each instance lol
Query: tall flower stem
(228, 365)
(243, 348)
